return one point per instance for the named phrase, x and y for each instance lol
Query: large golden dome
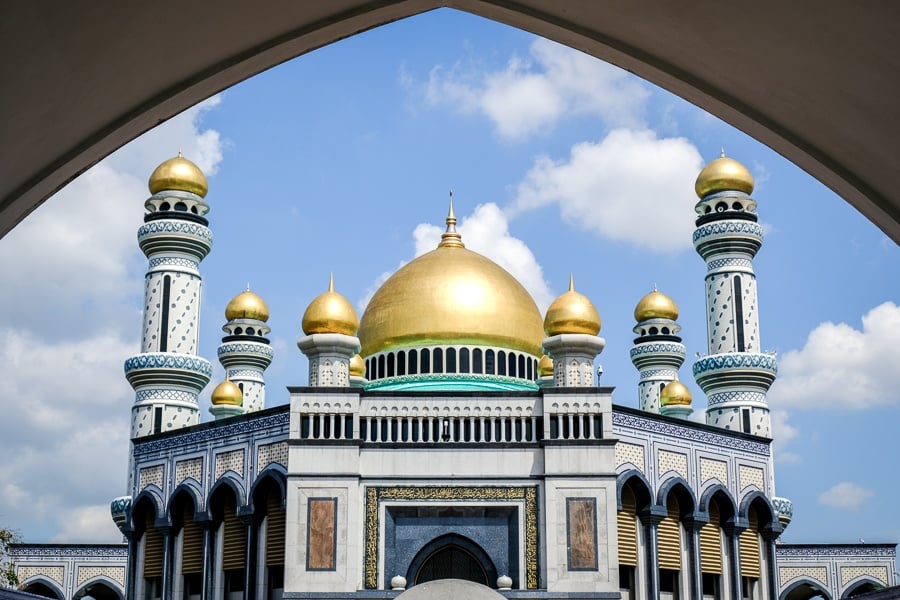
(722, 174)
(572, 313)
(178, 173)
(655, 305)
(330, 312)
(247, 305)
(451, 295)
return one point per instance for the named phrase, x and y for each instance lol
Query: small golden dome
(451, 295)
(572, 313)
(330, 312)
(357, 366)
(227, 393)
(655, 305)
(247, 305)
(545, 366)
(675, 394)
(722, 174)
(180, 174)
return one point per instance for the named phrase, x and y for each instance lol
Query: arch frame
(43, 580)
(643, 492)
(803, 581)
(448, 540)
(102, 579)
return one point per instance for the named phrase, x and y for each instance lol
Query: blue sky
(341, 161)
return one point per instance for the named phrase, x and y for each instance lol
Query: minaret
(329, 342)
(245, 351)
(572, 324)
(168, 375)
(657, 352)
(735, 375)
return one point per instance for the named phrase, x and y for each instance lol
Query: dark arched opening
(98, 590)
(452, 556)
(39, 588)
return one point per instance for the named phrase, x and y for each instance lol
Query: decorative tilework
(713, 469)
(278, 420)
(735, 360)
(819, 574)
(621, 418)
(116, 574)
(630, 453)
(267, 454)
(56, 574)
(848, 574)
(817, 550)
(189, 468)
(672, 461)
(751, 476)
(230, 461)
(741, 227)
(151, 475)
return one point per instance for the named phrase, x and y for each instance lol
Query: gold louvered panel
(627, 529)
(191, 544)
(749, 542)
(274, 529)
(669, 538)
(153, 550)
(711, 542)
(235, 543)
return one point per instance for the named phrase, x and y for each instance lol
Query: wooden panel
(153, 550)
(749, 543)
(191, 544)
(711, 542)
(669, 537)
(581, 529)
(235, 543)
(274, 529)
(627, 529)
(321, 531)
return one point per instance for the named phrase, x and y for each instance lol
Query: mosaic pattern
(116, 574)
(151, 476)
(672, 461)
(246, 348)
(175, 226)
(868, 550)
(106, 551)
(621, 418)
(267, 454)
(718, 263)
(748, 476)
(165, 360)
(630, 453)
(725, 227)
(55, 574)
(280, 420)
(192, 468)
(735, 360)
(174, 261)
(713, 469)
(659, 348)
(165, 395)
(742, 397)
(848, 574)
(230, 461)
(819, 574)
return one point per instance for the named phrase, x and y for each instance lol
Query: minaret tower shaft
(245, 352)
(735, 375)
(167, 375)
(658, 352)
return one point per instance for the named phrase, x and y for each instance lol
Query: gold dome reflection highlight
(330, 312)
(180, 174)
(722, 174)
(572, 312)
(655, 305)
(247, 305)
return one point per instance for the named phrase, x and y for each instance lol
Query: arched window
(390, 364)
(425, 357)
(464, 360)
(489, 362)
(452, 556)
(477, 367)
(381, 366)
(501, 362)
(451, 360)
(413, 362)
(511, 364)
(521, 370)
(438, 364)
(401, 362)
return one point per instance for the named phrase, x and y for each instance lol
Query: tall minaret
(657, 352)
(245, 352)
(735, 375)
(168, 375)
(572, 324)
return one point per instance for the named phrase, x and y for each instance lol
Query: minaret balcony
(735, 369)
(171, 236)
(168, 370)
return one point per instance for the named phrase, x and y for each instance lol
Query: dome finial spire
(331, 282)
(722, 155)
(451, 238)
(571, 282)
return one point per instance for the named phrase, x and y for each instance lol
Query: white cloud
(631, 187)
(846, 496)
(485, 231)
(782, 433)
(531, 95)
(843, 367)
(76, 272)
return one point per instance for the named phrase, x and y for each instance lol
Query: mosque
(452, 442)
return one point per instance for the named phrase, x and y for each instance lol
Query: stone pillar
(692, 525)
(168, 560)
(250, 557)
(650, 521)
(732, 540)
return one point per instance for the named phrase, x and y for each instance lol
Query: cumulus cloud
(839, 357)
(531, 94)
(846, 496)
(75, 275)
(782, 433)
(631, 187)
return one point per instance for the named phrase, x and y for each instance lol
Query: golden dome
(330, 312)
(178, 173)
(451, 295)
(357, 366)
(722, 174)
(227, 393)
(545, 366)
(247, 305)
(675, 394)
(655, 305)
(572, 313)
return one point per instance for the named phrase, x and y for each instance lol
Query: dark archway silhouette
(39, 588)
(452, 556)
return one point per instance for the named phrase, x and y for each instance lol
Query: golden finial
(451, 238)
(571, 282)
(331, 282)
(722, 155)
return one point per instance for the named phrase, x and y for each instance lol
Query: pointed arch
(150, 496)
(682, 490)
(804, 589)
(276, 473)
(234, 484)
(113, 589)
(768, 518)
(728, 508)
(449, 542)
(639, 486)
(190, 488)
(862, 585)
(34, 584)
